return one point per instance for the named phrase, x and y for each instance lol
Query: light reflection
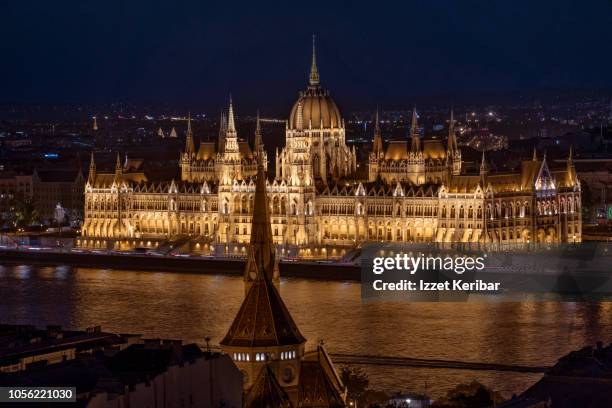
(61, 272)
(23, 271)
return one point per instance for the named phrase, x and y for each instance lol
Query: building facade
(415, 191)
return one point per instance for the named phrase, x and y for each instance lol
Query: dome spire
(314, 72)
(231, 127)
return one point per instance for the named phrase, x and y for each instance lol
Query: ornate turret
(572, 177)
(377, 148)
(92, 170)
(189, 145)
(453, 154)
(415, 146)
(484, 168)
(258, 146)
(231, 149)
(452, 140)
(118, 168)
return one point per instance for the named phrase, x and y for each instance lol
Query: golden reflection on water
(191, 307)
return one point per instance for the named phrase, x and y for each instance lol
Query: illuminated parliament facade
(416, 190)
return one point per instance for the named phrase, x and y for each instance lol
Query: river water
(191, 307)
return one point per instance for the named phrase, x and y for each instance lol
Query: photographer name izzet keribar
(454, 285)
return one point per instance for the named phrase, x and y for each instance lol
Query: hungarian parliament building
(415, 191)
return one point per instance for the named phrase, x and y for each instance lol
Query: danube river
(191, 307)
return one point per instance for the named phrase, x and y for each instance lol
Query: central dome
(318, 108)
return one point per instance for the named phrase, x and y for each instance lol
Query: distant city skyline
(195, 54)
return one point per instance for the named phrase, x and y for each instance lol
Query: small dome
(317, 106)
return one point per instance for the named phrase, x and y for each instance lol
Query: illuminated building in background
(415, 191)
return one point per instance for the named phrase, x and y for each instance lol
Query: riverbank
(202, 265)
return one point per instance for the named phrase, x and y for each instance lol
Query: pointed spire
(92, 168)
(414, 132)
(231, 126)
(258, 144)
(452, 139)
(571, 171)
(414, 127)
(484, 168)
(535, 154)
(377, 148)
(314, 72)
(261, 258)
(95, 123)
(118, 168)
(189, 145)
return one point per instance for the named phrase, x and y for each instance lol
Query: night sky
(192, 53)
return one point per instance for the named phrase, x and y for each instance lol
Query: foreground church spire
(263, 330)
(261, 257)
(314, 72)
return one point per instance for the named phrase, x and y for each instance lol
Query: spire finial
(452, 141)
(92, 168)
(570, 158)
(414, 125)
(483, 164)
(314, 72)
(231, 127)
(258, 145)
(118, 168)
(535, 154)
(189, 146)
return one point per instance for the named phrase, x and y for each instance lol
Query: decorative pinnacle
(231, 127)
(483, 164)
(414, 125)
(314, 72)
